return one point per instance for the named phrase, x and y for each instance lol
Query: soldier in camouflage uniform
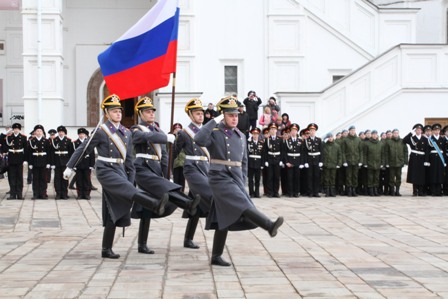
(352, 157)
(372, 163)
(395, 157)
(332, 160)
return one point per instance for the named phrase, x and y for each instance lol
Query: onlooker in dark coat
(252, 102)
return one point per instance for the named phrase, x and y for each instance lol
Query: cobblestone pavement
(386, 247)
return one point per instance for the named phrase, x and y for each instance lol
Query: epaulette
(215, 129)
(136, 129)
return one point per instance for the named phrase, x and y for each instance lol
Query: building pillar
(43, 63)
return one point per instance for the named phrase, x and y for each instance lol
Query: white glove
(337, 166)
(321, 164)
(219, 118)
(359, 164)
(281, 164)
(91, 168)
(427, 164)
(53, 167)
(171, 138)
(444, 164)
(387, 166)
(30, 167)
(365, 166)
(307, 165)
(345, 164)
(266, 164)
(300, 166)
(47, 166)
(261, 167)
(381, 166)
(67, 173)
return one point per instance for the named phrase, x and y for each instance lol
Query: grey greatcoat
(116, 179)
(195, 171)
(230, 198)
(151, 173)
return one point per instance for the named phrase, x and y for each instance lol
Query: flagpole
(173, 94)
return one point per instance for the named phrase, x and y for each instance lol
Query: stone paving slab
(382, 247)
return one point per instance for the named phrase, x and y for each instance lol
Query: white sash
(121, 146)
(192, 134)
(157, 148)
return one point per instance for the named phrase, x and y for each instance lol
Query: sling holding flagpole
(170, 147)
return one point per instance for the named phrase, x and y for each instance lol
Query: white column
(43, 63)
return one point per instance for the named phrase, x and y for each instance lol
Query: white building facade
(391, 55)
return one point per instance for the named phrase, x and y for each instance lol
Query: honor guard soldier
(293, 160)
(418, 159)
(372, 162)
(84, 167)
(115, 172)
(39, 161)
(437, 162)
(15, 143)
(395, 157)
(272, 157)
(444, 133)
(313, 160)
(332, 160)
(151, 166)
(61, 151)
(255, 163)
(352, 157)
(196, 167)
(232, 208)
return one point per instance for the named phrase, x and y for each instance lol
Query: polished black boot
(219, 241)
(333, 192)
(371, 191)
(189, 232)
(259, 219)
(375, 191)
(354, 194)
(108, 240)
(397, 191)
(152, 204)
(143, 231)
(391, 191)
(184, 202)
(349, 191)
(327, 191)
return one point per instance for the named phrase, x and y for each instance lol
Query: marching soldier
(195, 168)
(418, 159)
(15, 148)
(332, 160)
(61, 151)
(39, 162)
(313, 160)
(255, 163)
(232, 208)
(352, 157)
(293, 160)
(372, 163)
(151, 166)
(115, 172)
(437, 163)
(395, 157)
(272, 157)
(84, 167)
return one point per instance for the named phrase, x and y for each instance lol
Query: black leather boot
(375, 191)
(143, 231)
(219, 241)
(262, 221)
(349, 191)
(391, 191)
(189, 232)
(327, 191)
(184, 202)
(150, 203)
(108, 240)
(333, 192)
(371, 191)
(397, 191)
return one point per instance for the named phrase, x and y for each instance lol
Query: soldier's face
(273, 131)
(368, 135)
(197, 116)
(375, 136)
(418, 131)
(395, 134)
(61, 134)
(148, 115)
(82, 136)
(231, 119)
(389, 135)
(38, 132)
(436, 132)
(115, 114)
(312, 132)
(352, 132)
(293, 133)
(255, 136)
(16, 131)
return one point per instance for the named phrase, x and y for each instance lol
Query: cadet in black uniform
(272, 157)
(84, 167)
(61, 151)
(418, 159)
(255, 152)
(151, 165)
(115, 172)
(39, 162)
(313, 160)
(293, 160)
(232, 207)
(437, 163)
(15, 143)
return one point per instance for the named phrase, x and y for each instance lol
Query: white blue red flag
(143, 58)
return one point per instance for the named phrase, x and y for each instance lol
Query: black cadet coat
(61, 151)
(89, 158)
(293, 152)
(437, 169)
(16, 147)
(255, 154)
(419, 155)
(313, 150)
(39, 152)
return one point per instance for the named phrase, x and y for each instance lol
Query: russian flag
(143, 58)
